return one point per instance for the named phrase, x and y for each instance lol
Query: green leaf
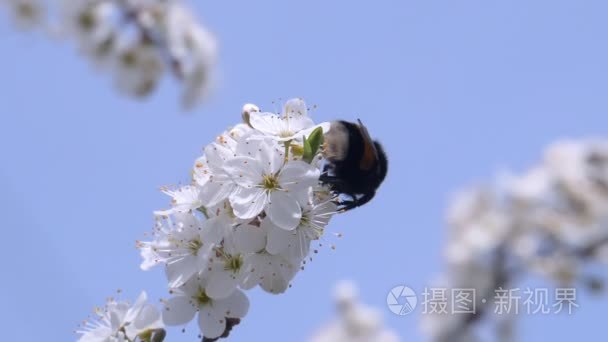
(312, 144)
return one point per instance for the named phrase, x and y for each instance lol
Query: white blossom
(265, 182)
(273, 273)
(228, 268)
(183, 244)
(118, 321)
(192, 297)
(183, 200)
(292, 124)
(295, 244)
(215, 182)
(550, 221)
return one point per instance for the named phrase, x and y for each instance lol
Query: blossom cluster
(136, 41)
(248, 219)
(356, 322)
(551, 221)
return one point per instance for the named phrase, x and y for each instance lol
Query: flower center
(270, 182)
(86, 21)
(311, 230)
(129, 58)
(201, 297)
(286, 134)
(233, 263)
(305, 220)
(194, 246)
(229, 210)
(26, 10)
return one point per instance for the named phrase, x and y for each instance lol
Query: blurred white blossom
(356, 322)
(550, 221)
(136, 42)
(26, 14)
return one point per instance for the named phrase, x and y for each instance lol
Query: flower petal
(217, 154)
(298, 175)
(245, 171)
(295, 107)
(278, 238)
(249, 239)
(301, 125)
(221, 284)
(178, 311)
(213, 230)
(252, 271)
(201, 171)
(250, 146)
(299, 247)
(269, 124)
(179, 271)
(235, 306)
(274, 283)
(271, 157)
(137, 307)
(212, 325)
(148, 318)
(284, 210)
(216, 190)
(150, 258)
(248, 202)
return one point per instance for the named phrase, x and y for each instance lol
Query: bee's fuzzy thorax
(336, 142)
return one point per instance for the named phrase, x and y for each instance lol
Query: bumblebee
(355, 165)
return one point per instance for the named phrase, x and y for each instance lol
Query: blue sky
(455, 90)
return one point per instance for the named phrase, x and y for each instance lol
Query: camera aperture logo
(401, 300)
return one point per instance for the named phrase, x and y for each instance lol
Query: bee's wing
(370, 153)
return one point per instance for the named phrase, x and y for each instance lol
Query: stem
(287, 146)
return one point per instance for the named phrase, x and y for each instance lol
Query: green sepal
(312, 144)
(153, 335)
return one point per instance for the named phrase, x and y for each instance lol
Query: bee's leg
(356, 201)
(365, 198)
(346, 206)
(327, 168)
(327, 179)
